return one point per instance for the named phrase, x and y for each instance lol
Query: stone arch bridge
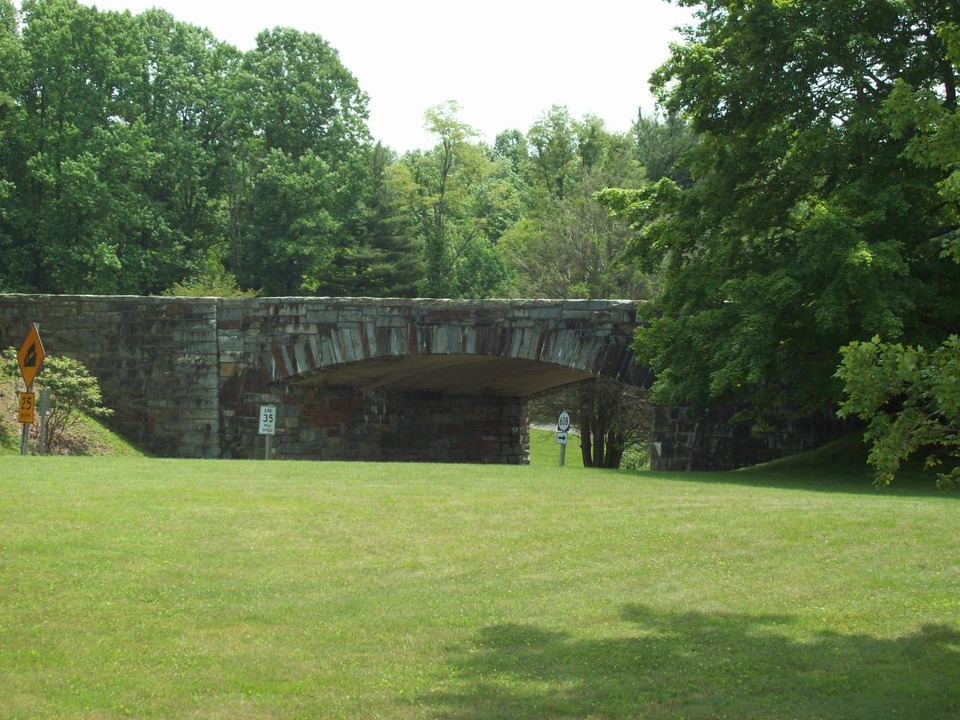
(352, 378)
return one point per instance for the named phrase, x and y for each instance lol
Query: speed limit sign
(27, 403)
(268, 419)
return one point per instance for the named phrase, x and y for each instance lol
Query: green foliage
(660, 144)
(74, 392)
(460, 200)
(566, 245)
(802, 227)
(300, 163)
(385, 258)
(136, 148)
(910, 398)
(212, 283)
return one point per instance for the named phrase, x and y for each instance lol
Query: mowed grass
(145, 588)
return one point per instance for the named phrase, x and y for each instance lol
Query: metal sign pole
(44, 408)
(25, 438)
(563, 426)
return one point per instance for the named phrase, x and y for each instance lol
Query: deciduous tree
(805, 227)
(458, 196)
(910, 395)
(299, 168)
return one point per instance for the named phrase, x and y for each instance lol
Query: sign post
(563, 427)
(30, 358)
(268, 425)
(44, 407)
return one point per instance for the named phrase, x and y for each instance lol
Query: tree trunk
(615, 447)
(598, 447)
(585, 445)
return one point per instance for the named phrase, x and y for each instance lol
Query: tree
(908, 395)
(300, 97)
(137, 152)
(458, 195)
(553, 141)
(12, 76)
(70, 117)
(660, 143)
(804, 227)
(180, 92)
(293, 229)
(910, 399)
(566, 245)
(109, 149)
(297, 189)
(613, 419)
(385, 260)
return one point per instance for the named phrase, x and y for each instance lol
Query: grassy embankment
(135, 587)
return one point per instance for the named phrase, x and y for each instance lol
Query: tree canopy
(139, 154)
(910, 395)
(137, 151)
(805, 224)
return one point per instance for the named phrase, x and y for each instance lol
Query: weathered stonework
(686, 439)
(352, 378)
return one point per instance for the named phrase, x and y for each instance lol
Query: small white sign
(563, 422)
(561, 438)
(268, 419)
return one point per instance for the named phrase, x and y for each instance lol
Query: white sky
(506, 62)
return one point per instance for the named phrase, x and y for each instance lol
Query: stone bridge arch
(352, 378)
(498, 348)
(429, 380)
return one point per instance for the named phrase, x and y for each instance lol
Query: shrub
(74, 392)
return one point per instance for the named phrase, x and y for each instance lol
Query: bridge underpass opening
(426, 408)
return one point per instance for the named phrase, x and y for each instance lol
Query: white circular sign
(563, 422)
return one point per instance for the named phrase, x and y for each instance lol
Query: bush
(212, 283)
(910, 398)
(74, 392)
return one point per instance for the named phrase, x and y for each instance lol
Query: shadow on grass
(824, 481)
(694, 665)
(838, 467)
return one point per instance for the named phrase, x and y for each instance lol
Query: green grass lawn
(544, 451)
(145, 588)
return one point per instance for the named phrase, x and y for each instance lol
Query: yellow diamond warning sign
(31, 355)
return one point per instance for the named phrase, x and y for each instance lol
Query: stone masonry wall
(155, 358)
(686, 439)
(187, 377)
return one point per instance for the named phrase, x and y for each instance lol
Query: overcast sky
(505, 62)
